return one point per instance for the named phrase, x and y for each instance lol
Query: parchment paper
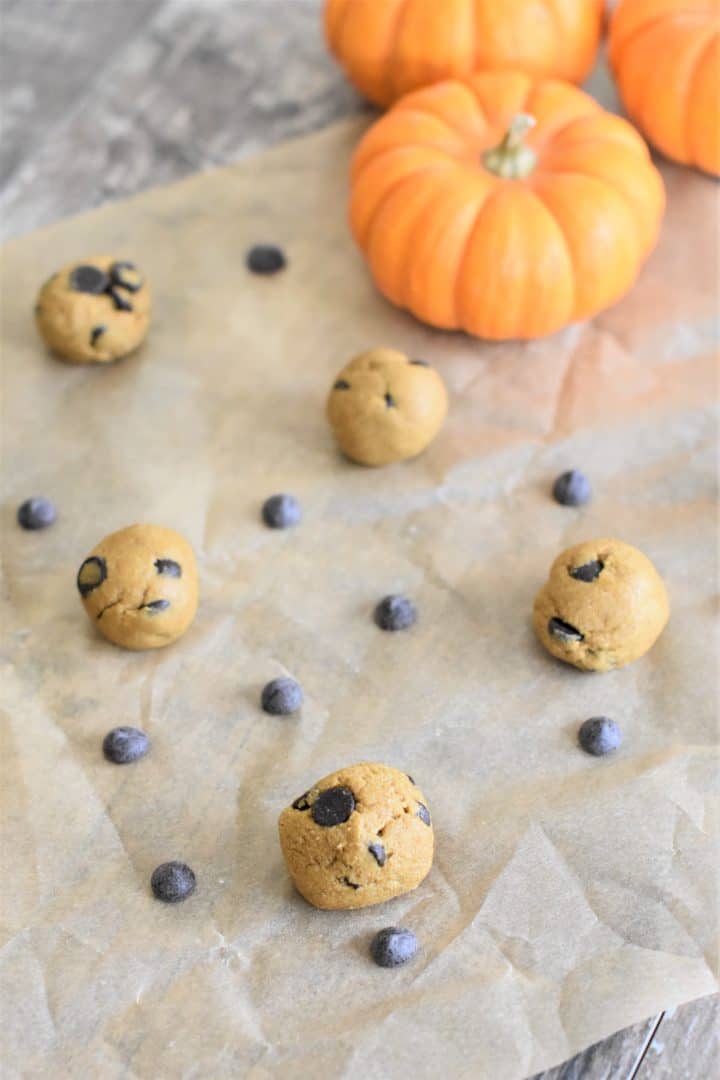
(569, 896)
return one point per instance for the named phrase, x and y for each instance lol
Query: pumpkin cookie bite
(140, 587)
(94, 311)
(386, 407)
(604, 605)
(359, 836)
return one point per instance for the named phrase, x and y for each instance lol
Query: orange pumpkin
(666, 59)
(504, 206)
(389, 47)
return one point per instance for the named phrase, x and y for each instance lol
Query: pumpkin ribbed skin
(390, 47)
(666, 58)
(463, 249)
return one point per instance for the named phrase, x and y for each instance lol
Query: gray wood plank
(615, 1058)
(686, 1045)
(51, 56)
(205, 82)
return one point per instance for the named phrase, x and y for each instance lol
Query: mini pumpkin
(666, 58)
(390, 47)
(504, 206)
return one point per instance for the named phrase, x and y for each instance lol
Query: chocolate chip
(155, 606)
(89, 279)
(96, 332)
(563, 630)
(120, 302)
(390, 401)
(348, 882)
(599, 735)
(281, 511)
(410, 779)
(572, 488)
(36, 513)
(420, 363)
(395, 613)
(125, 744)
(424, 814)
(378, 853)
(91, 574)
(282, 696)
(301, 803)
(393, 947)
(589, 571)
(265, 259)
(124, 280)
(341, 384)
(333, 806)
(168, 567)
(172, 882)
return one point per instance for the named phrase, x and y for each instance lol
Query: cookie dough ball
(384, 407)
(94, 311)
(358, 837)
(604, 605)
(140, 587)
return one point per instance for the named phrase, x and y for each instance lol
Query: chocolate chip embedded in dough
(563, 630)
(89, 279)
(349, 883)
(420, 363)
(341, 384)
(96, 332)
(155, 606)
(302, 803)
(378, 853)
(127, 276)
(120, 302)
(333, 806)
(390, 401)
(168, 567)
(589, 571)
(91, 574)
(424, 814)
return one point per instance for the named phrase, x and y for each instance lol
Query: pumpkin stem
(512, 159)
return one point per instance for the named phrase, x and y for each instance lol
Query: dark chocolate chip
(91, 574)
(393, 947)
(348, 882)
(121, 302)
(341, 384)
(36, 513)
(168, 567)
(281, 511)
(424, 814)
(155, 606)
(282, 696)
(390, 401)
(560, 629)
(395, 613)
(572, 488)
(118, 277)
(410, 778)
(589, 571)
(301, 803)
(96, 332)
(89, 279)
(420, 363)
(172, 882)
(333, 806)
(125, 744)
(599, 735)
(265, 259)
(378, 853)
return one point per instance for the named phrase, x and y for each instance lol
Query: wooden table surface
(103, 98)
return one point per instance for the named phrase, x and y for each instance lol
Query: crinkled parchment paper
(570, 896)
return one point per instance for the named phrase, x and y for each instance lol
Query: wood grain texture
(103, 98)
